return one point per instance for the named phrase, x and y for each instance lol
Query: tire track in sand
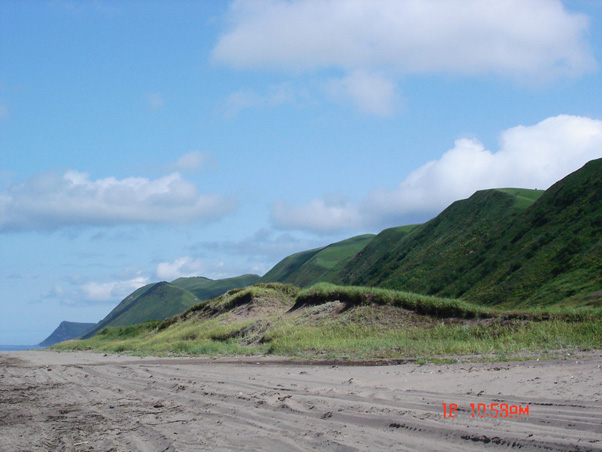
(187, 405)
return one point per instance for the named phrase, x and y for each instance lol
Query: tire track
(183, 405)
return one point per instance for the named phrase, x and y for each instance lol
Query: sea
(17, 348)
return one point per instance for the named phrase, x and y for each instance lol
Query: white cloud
(529, 157)
(50, 201)
(376, 43)
(79, 290)
(370, 93)
(109, 291)
(184, 267)
(509, 37)
(193, 161)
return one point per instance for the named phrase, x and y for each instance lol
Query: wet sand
(90, 402)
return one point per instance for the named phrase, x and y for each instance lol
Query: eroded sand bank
(90, 402)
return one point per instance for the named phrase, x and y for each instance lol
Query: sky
(145, 141)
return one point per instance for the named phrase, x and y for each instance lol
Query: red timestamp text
(483, 410)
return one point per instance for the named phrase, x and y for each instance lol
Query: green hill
(552, 252)
(511, 246)
(439, 256)
(156, 301)
(289, 266)
(205, 288)
(378, 248)
(162, 300)
(318, 265)
(67, 331)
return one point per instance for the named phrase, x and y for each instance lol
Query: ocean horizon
(17, 348)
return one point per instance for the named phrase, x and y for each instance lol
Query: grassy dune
(327, 321)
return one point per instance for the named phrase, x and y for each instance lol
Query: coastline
(19, 348)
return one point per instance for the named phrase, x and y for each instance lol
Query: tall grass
(515, 339)
(422, 304)
(436, 306)
(368, 323)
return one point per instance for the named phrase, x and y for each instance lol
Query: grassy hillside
(205, 288)
(379, 248)
(328, 321)
(508, 246)
(318, 265)
(162, 300)
(523, 197)
(289, 266)
(552, 252)
(441, 256)
(152, 302)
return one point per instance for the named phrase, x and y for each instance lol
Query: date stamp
(488, 410)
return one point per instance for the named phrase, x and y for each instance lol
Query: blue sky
(143, 141)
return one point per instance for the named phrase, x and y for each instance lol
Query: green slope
(431, 258)
(289, 266)
(552, 252)
(152, 302)
(510, 246)
(317, 265)
(205, 288)
(523, 197)
(378, 248)
(161, 300)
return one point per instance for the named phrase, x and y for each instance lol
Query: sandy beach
(75, 401)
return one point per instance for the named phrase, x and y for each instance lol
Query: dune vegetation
(328, 321)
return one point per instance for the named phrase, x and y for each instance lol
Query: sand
(75, 401)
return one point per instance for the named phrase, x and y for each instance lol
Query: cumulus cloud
(50, 201)
(193, 161)
(108, 292)
(376, 43)
(511, 37)
(184, 267)
(528, 157)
